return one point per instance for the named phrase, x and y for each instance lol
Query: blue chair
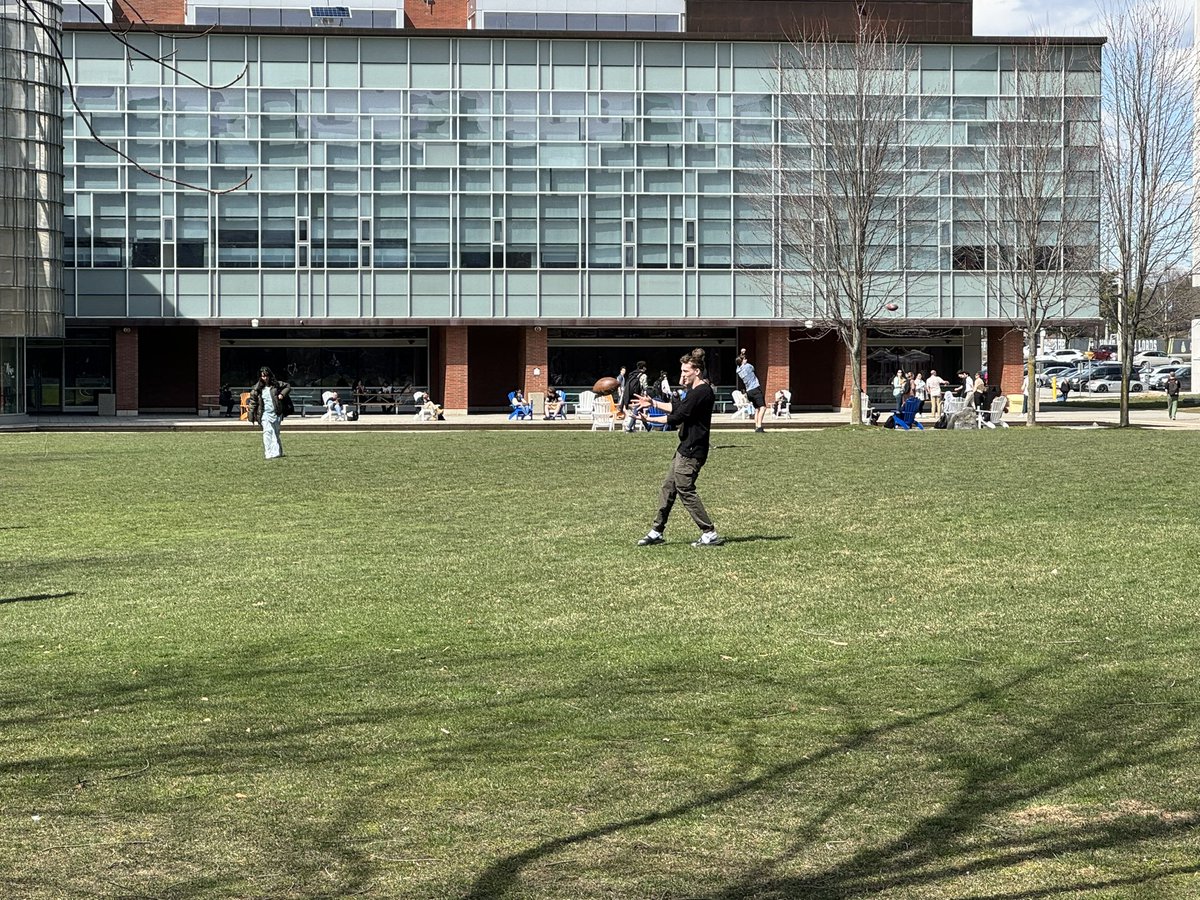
(520, 409)
(906, 418)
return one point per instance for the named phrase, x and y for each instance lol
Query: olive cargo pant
(681, 482)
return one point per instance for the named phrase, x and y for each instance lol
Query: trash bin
(1016, 404)
(106, 404)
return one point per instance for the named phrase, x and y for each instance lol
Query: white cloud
(1019, 17)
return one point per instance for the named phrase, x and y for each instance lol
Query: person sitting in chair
(333, 405)
(426, 408)
(521, 408)
(553, 405)
(780, 407)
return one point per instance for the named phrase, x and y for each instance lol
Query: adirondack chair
(906, 418)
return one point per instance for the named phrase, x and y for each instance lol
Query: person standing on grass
(267, 400)
(1172, 395)
(754, 392)
(935, 385)
(693, 417)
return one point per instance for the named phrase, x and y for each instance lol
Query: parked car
(1093, 371)
(1065, 356)
(1102, 354)
(1155, 358)
(1053, 372)
(1106, 383)
(1156, 376)
(1158, 382)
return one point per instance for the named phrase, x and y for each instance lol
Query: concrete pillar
(208, 362)
(127, 371)
(1005, 361)
(453, 346)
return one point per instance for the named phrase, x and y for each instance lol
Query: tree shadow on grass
(954, 839)
(33, 597)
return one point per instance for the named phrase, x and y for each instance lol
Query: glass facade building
(31, 298)
(490, 178)
(357, 203)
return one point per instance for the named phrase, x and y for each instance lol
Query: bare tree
(1172, 308)
(838, 183)
(53, 34)
(1146, 147)
(1033, 221)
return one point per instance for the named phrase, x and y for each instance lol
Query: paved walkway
(1070, 414)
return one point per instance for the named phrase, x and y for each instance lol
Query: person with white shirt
(934, 384)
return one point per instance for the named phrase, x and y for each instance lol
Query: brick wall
(534, 356)
(153, 12)
(453, 347)
(127, 371)
(1006, 367)
(208, 362)
(774, 361)
(438, 14)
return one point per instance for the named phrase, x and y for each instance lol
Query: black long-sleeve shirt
(693, 417)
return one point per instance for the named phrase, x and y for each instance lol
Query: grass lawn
(938, 665)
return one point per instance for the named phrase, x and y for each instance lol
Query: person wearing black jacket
(693, 417)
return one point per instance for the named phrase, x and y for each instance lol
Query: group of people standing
(933, 388)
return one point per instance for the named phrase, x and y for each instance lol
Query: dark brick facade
(911, 19)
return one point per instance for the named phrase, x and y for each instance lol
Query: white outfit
(270, 426)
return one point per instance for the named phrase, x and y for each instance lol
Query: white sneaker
(709, 539)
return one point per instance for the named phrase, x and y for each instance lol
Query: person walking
(1172, 395)
(268, 404)
(693, 417)
(754, 391)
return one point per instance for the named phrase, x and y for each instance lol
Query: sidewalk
(1051, 414)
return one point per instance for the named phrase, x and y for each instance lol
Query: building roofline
(678, 36)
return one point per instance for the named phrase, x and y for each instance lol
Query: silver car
(1106, 383)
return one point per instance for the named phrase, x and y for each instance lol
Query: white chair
(587, 400)
(995, 415)
(603, 414)
(741, 407)
(783, 405)
(952, 405)
(334, 411)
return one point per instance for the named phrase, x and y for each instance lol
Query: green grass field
(939, 665)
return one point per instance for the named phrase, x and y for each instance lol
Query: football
(605, 386)
(892, 307)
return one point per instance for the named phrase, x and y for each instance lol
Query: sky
(1050, 17)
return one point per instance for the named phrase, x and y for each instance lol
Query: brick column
(1006, 363)
(208, 362)
(775, 356)
(127, 371)
(534, 356)
(438, 14)
(155, 12)
(453, 340)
